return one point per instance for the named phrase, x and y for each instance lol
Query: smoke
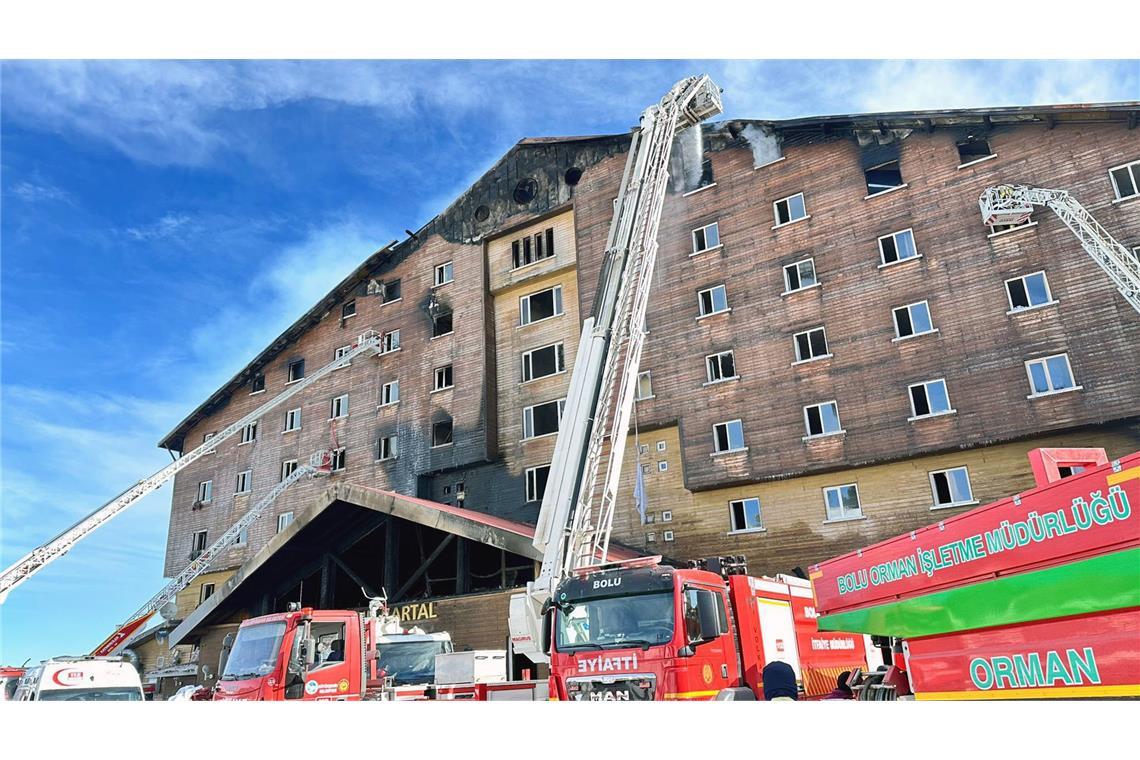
(765, 146)
(685, 163)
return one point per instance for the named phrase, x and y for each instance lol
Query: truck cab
(81, 679)
(9, 682)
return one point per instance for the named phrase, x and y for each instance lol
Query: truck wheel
(735, 694)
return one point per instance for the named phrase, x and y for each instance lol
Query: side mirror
(686, 651)
(709, 615)
(547, 622)
(294, 680)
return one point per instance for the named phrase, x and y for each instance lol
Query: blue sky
(161, 222)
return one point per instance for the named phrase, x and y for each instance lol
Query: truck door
(335, 673)
(778, 632)
(714, 664)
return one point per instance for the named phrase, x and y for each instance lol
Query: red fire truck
(329, 655)
(1031, 597)
(646, 631)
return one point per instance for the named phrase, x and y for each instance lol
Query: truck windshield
(108, 694)
(641, 620)
(411, 662)
(255, 651)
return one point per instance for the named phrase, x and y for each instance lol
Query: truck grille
(635, 689)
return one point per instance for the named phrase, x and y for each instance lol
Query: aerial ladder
(369, 342)
(1012, 204)
(576, 516)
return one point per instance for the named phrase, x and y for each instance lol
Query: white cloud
(38, 192)
(168, 225)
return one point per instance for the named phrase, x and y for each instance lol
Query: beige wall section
(190, 597)
(896, 497)
(513, 339)
(500, 264)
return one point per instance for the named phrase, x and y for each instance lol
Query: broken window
(443, 274)
(283, 520)
(532, 248)
(205, 491)
(842, 502)
(541, 305)
(296, 370)
(1028, 291)
(198, 544)
(338, 407)
(391, 292)
(951, 487)
(1051, 374)
(883, 177)
(898, 246)
(799, 275)
(288, 467)
(292, 420)
(258, 383)
(728, 436)
(745, 515)
(390, 341)
(720, 366)
(913, 319)
(790, 209)
(441, 432)
(441, 324)
(713, 300)
(929, 399)
(543, 362)
(444, 378)
(811, 344)
(822, 419)
(338, 460)
(1126, 180)
(973, 149)
(244, 482)
(249, 433)
(706, 173)
(542, 419)
(644, 386)
(706, 237)
(348, 309)
(340, 353)
(386, 448)
(536, 478)
(205, 592)
(389, 393)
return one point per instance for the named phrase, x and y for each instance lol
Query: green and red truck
(1035, 596)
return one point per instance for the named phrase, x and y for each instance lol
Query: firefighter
(779, 682)
(841, 690)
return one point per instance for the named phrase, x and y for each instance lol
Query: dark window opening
(573, 176)
(544, 419)
(542, 305)
(296, 369)
(972, 149)
(883, 177)
(543, 362)
(441, 324)
(1018, 297)
(532, 248)
(348, 309)
(1070, 471)
(525, 191)
(391, 291)
(258, 384)
(441, 432)
(902, 319)
(536, 478)
(199, 544)
(706, 173)
(815, 421)
(921, 403)
(942, 489)
(443, 378)
(482, 214)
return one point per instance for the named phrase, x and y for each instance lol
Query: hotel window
(205, 592)
(205, 491)
(644, 386)
(790, 209)
(1051, 374)
(951, 488)
(842, 502)
(898, 246)
(390, 342)
(444, 378)
(883, 177)
(662, 466)
(536, 478)
(296, 370)
(706, 237)
(288, 467)
(1028, 291)
(532, 248)
(745, 515)
(391, 292)
(198, 544)
(292, 420)
(339, 459)
(249, 433)
(1126, 180)
(338, 407)
(242, 537)
(206, 438)
(728, 436)
(712, 300)
(441, 433)
(913, 319)
(258, 383)
(541, 305)
(542, 419)
(444, 273)
(389, 393)
(799, 275)
(822, 419)
(348, 309)
(386, 448)
(929, 399)
(543, 362)
(973, 149)
(442, 324)
(811, 344)
(342, 351)
(283, 520)
(244, 482)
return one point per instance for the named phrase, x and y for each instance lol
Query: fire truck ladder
(571, 533)
(1012, 204)
(369, 342)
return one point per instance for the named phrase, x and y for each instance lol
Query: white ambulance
(81, 679)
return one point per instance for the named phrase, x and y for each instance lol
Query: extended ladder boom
(38, 558)
(1012, 204)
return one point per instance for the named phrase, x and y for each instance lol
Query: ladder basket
(322, 462)
(1006, 204)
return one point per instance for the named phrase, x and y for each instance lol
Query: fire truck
(1035, 596)
(329, 655)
